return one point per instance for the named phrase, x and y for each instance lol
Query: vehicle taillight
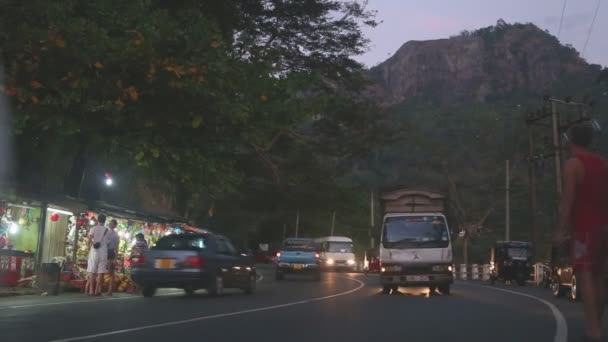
(195, 261)
(138, 260)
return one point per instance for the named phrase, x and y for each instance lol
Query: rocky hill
(475, 65)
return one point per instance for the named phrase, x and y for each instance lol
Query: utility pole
(284, 231)
(372, 221)
(507, 202)
(297, 222)
(333, 223)
(532, 183)
(557, 149)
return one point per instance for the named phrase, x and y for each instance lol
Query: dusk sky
(405, 20)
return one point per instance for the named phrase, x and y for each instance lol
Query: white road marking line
(561, 331)
(23, 306)
(204, 318)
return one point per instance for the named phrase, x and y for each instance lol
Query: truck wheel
(148, 291)
(386, 289)
(445, 289)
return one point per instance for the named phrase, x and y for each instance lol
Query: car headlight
(350, 262)
(441, 268)
(330, 261)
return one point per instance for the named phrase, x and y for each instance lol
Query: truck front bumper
(431, 279)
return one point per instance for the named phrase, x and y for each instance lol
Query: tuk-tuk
(511, 261)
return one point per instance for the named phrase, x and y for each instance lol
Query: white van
(336, 253)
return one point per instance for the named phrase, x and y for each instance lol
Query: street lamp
(108, 179)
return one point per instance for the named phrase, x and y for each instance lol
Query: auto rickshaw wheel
(556, 287)
(575, 294)
(386, 289)
(444, 289)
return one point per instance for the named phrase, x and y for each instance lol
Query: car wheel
(556, 287)
(279, 276)
(251, 284)
(189, 291)
(148, 291)
(444, 289)
(575, 293)
(386, 289)
(216, 288)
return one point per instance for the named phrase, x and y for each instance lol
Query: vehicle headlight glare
(351, 262)
(330, 261)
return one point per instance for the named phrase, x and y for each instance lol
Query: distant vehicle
(511, 261)
(416, 243)
(337, 253)
(298, 256)
(193, 261)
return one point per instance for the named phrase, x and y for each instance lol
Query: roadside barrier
(475, 272)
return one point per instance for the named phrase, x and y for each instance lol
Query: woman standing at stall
(113, 242)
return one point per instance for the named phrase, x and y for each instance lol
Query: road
(343, 307)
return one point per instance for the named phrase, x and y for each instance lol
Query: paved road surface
(340, 308)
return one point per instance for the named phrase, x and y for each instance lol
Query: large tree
(185, 90)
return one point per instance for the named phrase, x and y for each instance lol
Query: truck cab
(415, 244)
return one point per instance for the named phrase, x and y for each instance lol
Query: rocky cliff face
(474, 65)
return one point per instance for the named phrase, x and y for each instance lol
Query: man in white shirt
(98, 256)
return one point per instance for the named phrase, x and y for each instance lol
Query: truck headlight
(350, 262)
(441, 268)
(330, 261)
(391, 268)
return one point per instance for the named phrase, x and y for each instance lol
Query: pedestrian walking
(584, 208)
(113, 243)
(98, 256)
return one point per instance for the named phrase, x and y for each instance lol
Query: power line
(597, 8)
(561, 20)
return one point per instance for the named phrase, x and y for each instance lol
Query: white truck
(336, 253)
(415, 244)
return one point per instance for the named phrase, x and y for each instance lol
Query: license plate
(417, 278)
(165, 263)
(298, 267)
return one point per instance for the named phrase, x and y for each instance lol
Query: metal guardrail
(478, 272)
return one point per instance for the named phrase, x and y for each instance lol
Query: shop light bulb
(92, 222)
(14, 228)
(109, 181)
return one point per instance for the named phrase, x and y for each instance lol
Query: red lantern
(55, 217)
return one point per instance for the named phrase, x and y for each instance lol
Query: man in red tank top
(584, 207)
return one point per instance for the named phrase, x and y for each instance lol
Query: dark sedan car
(191, 262)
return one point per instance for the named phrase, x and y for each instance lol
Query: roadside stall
(19, 235)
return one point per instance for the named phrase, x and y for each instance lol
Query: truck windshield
(415, 232)
(340, 247)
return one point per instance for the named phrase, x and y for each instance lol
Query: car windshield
(415, 232)
(339, 247)
(181, 242)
